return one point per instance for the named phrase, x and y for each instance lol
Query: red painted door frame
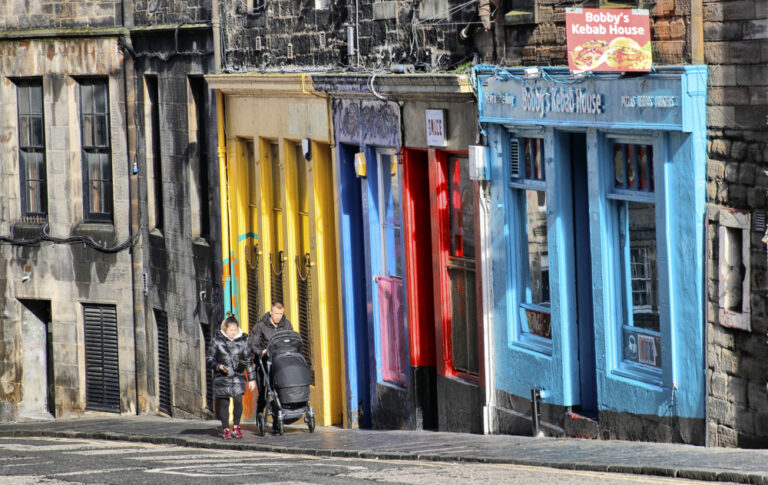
(441, 250)
(418, 259)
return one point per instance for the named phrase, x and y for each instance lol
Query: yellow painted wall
(286, 120)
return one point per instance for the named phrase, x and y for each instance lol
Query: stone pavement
(671, 460)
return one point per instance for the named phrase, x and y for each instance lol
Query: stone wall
(66, 275)
(182, 265)
(388, 33)
(541, 40)
(59, 14)
(736, 36)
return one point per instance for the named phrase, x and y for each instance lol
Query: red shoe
(238, 433)
(226, 434)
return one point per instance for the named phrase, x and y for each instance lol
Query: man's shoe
(238, 433)
(226, 434)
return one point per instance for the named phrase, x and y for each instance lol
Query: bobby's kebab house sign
(607, 40)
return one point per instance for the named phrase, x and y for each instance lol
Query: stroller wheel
(261, 423)
(311, 424)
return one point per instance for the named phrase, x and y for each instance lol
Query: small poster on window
(608, 40)
(646, 350)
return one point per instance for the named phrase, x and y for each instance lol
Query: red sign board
(612, 40)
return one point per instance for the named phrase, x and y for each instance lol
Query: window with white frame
(531, 243)
(633, 197)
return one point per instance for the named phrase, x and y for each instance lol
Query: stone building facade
(736, 37)
(731, 38)
(102, 309)
(364, 35)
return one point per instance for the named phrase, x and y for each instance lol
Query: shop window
(32, 167)
(390, 284)
(530, 229)
(96, 149)
(461, 269)
(635, 239)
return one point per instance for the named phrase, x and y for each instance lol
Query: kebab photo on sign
(608, 40)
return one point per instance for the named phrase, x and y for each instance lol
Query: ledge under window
(27, 229)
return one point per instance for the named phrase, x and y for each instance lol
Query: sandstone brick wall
(56, 14)
(183, 270)
(159, 12)
(542, 43)
(736, 36)
(65, 275)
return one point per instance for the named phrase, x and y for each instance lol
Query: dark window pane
(97, 197)
(538, 159)
(36, 100)
(642, 167)
(631, 170)
(36, 131)
(618, 166)
(639, 268)
(464, 320)
(87, 131)
(100, 97)
(86, 98)
(528, 157)
(23, 92)
(94, 166)
(100, 131)
(536, 251)
(24, 131)
(461, 209)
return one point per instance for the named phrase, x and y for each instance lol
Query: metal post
(535, 398)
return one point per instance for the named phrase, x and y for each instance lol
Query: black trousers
(222, 410)
(261, 385)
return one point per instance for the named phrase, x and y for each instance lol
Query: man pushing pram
(282, 374)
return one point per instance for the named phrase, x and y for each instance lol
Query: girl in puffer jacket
(228, 356)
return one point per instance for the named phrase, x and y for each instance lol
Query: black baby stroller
(286, 379)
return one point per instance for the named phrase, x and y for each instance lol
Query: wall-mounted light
(306, 148)
(360, 165)
(531, 73)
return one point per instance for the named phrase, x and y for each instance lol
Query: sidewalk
(682, 461)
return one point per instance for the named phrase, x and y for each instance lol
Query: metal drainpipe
(357, 30)
(705, 343)
(487, 291)
(697, 32)
(223, 194)
(216, 22)
(136, 250)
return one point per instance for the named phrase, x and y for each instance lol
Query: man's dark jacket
(235, 356)
(263, 331)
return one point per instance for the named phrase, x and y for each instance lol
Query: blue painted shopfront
(372, 268)
(598, 226)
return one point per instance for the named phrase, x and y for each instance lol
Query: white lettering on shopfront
(561, 100)
(649, 101)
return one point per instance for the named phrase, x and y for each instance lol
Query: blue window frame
(633, 202)
(530, 243)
